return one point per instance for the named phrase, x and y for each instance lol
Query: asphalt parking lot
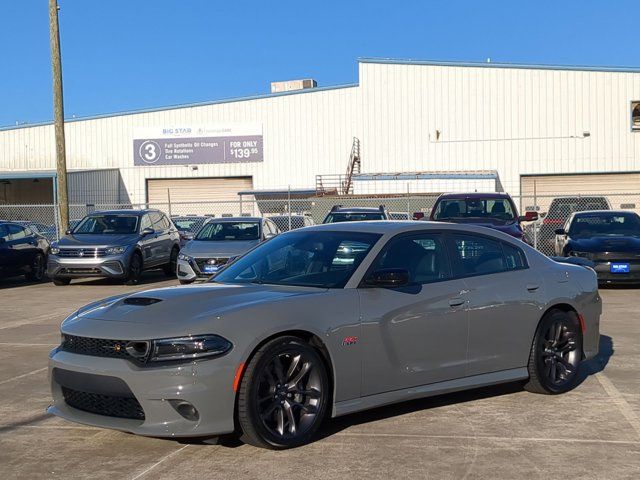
(498, 432)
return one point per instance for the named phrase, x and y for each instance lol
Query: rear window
(229, 231)
(474, 208)
(338, 217)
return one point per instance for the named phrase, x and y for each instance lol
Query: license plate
(210, 268)
(620, 268)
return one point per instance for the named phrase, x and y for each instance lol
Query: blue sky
(123, 54)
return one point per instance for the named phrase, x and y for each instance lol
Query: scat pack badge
(348, 341)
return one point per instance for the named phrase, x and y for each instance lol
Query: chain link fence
(290, 213)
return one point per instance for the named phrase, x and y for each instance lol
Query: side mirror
(187, 236)
(148, 231)
(529, 217)
(388, 278)
(560, 231)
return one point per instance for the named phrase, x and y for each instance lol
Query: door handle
(532, 287)
(456, 301)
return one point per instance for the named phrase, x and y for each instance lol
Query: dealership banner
(190, 145)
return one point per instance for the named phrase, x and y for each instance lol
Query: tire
(171, 268)
(186, 282)
(37, 269)
(283, 395)
(556, 354)
(61, 282)
(135, 270)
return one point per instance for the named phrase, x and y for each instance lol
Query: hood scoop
(141, 301)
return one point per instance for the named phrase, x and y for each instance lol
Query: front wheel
(135, 270)
(283, 395)
(36, 273)
(556, 354)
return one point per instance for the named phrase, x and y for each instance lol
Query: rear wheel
(36, 274)
(556, 354)
(61, 282)
(135, 269)
(171, 268)
(283, 395)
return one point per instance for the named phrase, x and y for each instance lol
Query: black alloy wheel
(556, 354)
(38, 267)
(171, 268)
(135, 269)
(283, 395)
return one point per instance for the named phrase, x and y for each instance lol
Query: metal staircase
(341, 184)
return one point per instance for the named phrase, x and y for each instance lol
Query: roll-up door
(197, 196)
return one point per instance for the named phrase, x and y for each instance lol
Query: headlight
(580, 254)
(54, 249)
(184, 257)
(187, 348)
(115, 250)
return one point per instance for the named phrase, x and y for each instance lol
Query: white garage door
(619, 188)
(197, 196)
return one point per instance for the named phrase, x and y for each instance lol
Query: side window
(424, 256)
(167, 223)
(16, 232)
(156, 220)
(514, 257)
(478, 255)
(274, 227)
(145, 222)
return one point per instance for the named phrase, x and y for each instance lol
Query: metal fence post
(289, 204)
(536, 208)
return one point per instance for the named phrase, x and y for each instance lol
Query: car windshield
(229, 231)
(338, 217)
(310, 259)
(474, 208)
(108, 224)
(614, 224)
(187, 224)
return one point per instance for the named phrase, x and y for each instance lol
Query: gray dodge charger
(327, 321)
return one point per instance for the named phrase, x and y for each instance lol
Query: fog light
(185, 409)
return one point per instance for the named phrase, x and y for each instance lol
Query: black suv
(339, 213)
(22, 252)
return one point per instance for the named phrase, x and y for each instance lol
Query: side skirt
(364, 403)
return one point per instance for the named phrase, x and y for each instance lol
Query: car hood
(211, 249)
(177, 311)
(84, 240)
(605, 244)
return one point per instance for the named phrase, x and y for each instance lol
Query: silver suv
(115, 244)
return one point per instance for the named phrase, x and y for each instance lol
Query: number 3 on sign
(149, 151)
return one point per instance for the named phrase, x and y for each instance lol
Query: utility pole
(58, 118)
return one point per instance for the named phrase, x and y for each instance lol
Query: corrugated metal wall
(409, 117)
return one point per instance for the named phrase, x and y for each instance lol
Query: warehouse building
(405, 126)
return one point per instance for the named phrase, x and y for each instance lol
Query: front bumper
(113, 266)
(188, 270)
(207, 385)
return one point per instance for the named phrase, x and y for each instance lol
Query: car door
(8, 259)
(504, 298)
(24, 246)
(149, 243)
(417, 334)
(163, 229)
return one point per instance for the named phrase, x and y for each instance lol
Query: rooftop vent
(290, 85)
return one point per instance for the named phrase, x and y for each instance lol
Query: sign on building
(191, 145)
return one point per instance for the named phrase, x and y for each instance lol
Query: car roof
(477, 195)
(234, 219)
(356, 210)
(400, 226)
(129, 211)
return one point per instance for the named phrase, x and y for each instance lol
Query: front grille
(219, 262)
(81, 271)
(108, 405)
(614, 256)
(82, 252)
(97, 347)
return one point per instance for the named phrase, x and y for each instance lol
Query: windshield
(621, 224)
(310, 259)
(353, 217)
(188, 224)
(108, 225)
(229, 231)
(475, 208)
